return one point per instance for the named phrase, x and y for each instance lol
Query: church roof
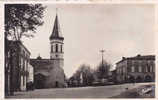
(45, 73)
(56, 33)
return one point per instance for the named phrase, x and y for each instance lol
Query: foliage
(22, 18)
(83, 75)
(86, 76)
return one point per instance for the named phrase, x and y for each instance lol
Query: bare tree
(103, 69)
(84, 74)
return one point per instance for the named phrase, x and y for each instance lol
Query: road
(81, 92)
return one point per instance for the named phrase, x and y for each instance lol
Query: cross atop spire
(56, 34)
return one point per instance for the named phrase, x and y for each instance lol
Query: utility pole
(102, 52)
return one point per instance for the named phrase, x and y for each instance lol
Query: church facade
(49, 73)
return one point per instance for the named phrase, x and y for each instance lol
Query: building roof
(138, 57)
(45, 73)
(56, 34)
(40, 62)
(44, 64)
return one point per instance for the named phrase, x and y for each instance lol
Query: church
(49, 73)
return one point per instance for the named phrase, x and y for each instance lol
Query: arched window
(61, 48)
(56, 49)
(51, 48)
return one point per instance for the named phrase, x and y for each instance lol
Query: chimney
(123, 58)
(138, 55)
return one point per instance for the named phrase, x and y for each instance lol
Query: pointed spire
(56, 34)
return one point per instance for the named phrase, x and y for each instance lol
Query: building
(49, 72)
(30, 78)
(31, 73)
(112, 76)
(8, 51)
(136, 69)
(17, 59)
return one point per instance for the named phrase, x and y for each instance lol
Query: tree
(84, 75)
(103, 69)
(19, 20)
(22, 18)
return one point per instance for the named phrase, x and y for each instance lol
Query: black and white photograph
(59, 50)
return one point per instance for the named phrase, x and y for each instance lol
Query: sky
(120, 29)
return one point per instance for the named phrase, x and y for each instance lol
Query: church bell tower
(56, 44)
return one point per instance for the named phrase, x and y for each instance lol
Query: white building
(31, 73)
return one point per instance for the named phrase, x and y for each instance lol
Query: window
(61, 47)
(151, 69)
(120, 70)
(26, 65)
(56, 48)
(23, 53)
(124, 70)
(117, 70)
(139, 69)
(8, 54)
(148, 68)
(23, 65)
(23, 80)
(132, 69)
(51, 48)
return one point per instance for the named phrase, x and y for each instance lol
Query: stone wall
(51, 70)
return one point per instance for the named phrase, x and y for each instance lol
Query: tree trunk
(11, 72)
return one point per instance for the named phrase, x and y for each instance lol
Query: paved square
(78, 92)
